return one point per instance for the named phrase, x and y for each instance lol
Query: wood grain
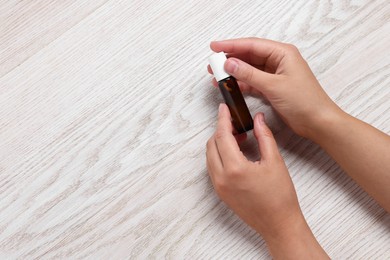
(106, 107)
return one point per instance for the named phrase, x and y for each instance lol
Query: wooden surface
(106, 107)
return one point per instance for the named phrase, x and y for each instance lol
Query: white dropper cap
(217, 62)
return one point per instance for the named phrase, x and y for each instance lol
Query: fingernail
(260, 118)
(231, 66)
(220, 108)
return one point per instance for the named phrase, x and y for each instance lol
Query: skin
(262, 192)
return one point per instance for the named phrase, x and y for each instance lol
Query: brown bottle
(242, 119)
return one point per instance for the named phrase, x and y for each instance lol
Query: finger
(259, 65)
(250, 58)
(256, 46)
(245, 88)
(214, 162)
(214, 82)
(267, 144)
(246, 73)
(226, 143)
(255, 51)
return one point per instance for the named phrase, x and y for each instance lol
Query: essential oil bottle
(242, 119)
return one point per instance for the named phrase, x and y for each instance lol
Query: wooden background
(106, 107)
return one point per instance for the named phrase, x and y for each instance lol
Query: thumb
(267, 144)
(252, 76)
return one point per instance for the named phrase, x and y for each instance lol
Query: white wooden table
(106, 107)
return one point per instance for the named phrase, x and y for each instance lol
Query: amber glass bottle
(242, 119)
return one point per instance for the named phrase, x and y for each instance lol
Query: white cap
(217, 62)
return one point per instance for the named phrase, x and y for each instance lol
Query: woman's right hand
(278, 72)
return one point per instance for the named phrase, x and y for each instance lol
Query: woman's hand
(278, 71)
(261, 192)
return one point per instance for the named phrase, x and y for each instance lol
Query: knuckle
(292, 48)
(220, 186)
(235, 170)
(267, 133)
(248, 75)
(220, 134)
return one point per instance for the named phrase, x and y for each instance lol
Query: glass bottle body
(242, 119)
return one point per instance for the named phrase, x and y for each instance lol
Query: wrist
(324, 124)
(285, 231)
(295, 241)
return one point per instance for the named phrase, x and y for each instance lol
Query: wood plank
(107, 106)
